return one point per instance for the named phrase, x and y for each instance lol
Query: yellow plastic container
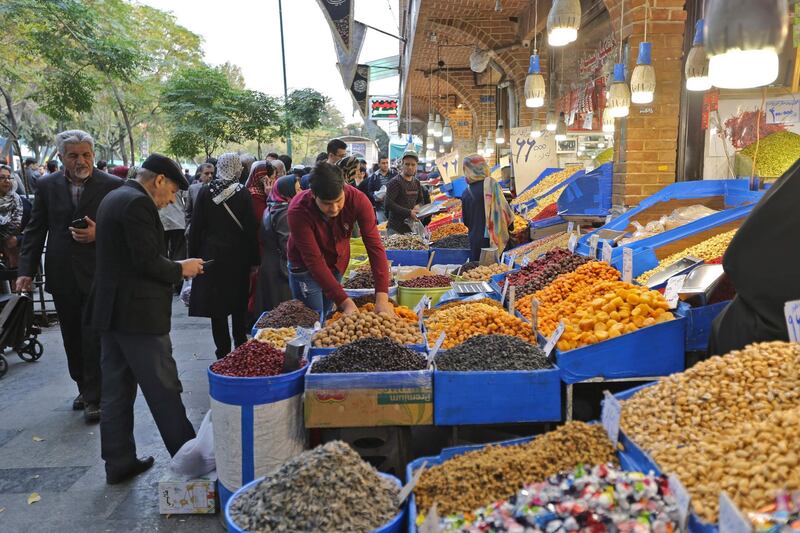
(410, 297)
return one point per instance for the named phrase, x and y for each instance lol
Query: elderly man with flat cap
(132, 308)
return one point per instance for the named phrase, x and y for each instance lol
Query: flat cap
(161, 164)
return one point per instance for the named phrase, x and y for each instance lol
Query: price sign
(431, 523)
(530, 156)
(553, 340)
(437, 346)
(534, 315)
(424, 303)
(627, 265)
(526, 261)
(792, 312)
(674, 285)
(505, 290)
(607, 252)
(731, 519)
(612, 410)
(593, 240)
(573, 243)
(570, 228)
(405, 492)
(503, 258)
(608, 219)
(512, 298)
(681, 497)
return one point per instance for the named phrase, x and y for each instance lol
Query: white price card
(431, 523)
(553, 340)
(437, 346)
(570, 228)
(612, 410)
(609, 218)
(526, 260)
(512, 299)
(681, 496)
(627, 265)
(534, 315)
(593, 240)
(674, 285)
(503, 258)
(505, 290)
(573, 243)
(607, 252)
(792, 312)
(731, 519)
(405, 492)
(424, 303)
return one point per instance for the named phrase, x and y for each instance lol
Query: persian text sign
(449, 166)
(529, 156)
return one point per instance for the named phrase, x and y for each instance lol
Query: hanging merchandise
(552, 123)
(500, 133)
(608, 121)
(697, 63)
(563, 22)
(534, 81)
(643, 79)
(743, 40)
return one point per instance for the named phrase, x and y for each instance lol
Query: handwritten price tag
(526, 261)
(534, 315)
(405, 492)
(627, 265)
(573, 243)
(681, 497)
(593, 240)
(792, 312)
(674, 285)
(437, 346)
(505, 290)
(612, 410)
(570, 228)
(607, 252)
(731, 519)
(553, 340)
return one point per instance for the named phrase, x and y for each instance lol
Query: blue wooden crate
(698, 323)
(496, 397)
(589, 195)
(449, 256)
(408, 257)
(656, 350)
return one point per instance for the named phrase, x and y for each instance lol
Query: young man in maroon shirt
(321, 222)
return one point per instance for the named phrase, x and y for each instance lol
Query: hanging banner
(348, 57)
(449, 166)
(339, 14)
(529, 157)
(383, 107)
(359, 89)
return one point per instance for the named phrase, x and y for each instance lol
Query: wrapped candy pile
(600, 499)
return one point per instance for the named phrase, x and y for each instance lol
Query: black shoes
(91, 413)
(78, 404)
(114, 477)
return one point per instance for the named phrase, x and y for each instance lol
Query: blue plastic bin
(698, 323)
(394, 526)
(656, 350)
(449, 256)
(408, 257)
(314, 352)
(496, 397)
(588, 195)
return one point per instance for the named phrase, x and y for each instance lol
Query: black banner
(339, 14)
(359, 89)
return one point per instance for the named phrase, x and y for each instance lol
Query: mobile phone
(79, 223)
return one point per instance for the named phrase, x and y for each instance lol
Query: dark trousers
(146, 360)
(222, 337)
(81, 343)
(175, 241)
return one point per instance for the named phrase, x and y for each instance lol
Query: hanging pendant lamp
(536, 128)
(488, 148)
(643, 79)
(500, 133)
(743, 40)
(561, 128)
(429, 143)
(437, 126)
(430, 155)
(551, 122)
(441, 148)
(608, 120)
(619, 98)
(697, 63)
(447, 132)
(534, 84)
(480, 145)
(563, 22)
(430, 125)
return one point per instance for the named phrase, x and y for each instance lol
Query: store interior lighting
(488, 147)
(534, 84)
(429, 145)
(697, 63)
(437, 126)
(619, 100)
(561, 128)
(552, 122)
(430, 125)
(563, 22)
(447, 132)
(536, 128)
(480, 145)
(500, 133)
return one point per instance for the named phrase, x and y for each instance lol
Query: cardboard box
(182, 495)
(368, 399)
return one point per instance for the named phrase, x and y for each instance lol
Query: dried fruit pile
(477, 478)
(400, 310)
(536, 248)
(546, 184)
(427, 282)
(361, 279)
(471, 319)
(329, 489)
(251, 359)
(370, 355)
(484, 273)
(449, 305)
(350, 328)
(729, 423)
(547, 211)
(404, 242)
(453, 242)
(289, 314)
(541, 272)
(493, 352)
(277, 337)
(543, 204)
(454, 228)
(707, 250)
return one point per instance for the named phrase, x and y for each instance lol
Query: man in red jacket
(321, 222)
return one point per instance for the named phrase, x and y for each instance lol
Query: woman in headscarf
(280, 171)
(223, 230)
(10, 216)
(484, 208)
(259, 191)
(273, 275)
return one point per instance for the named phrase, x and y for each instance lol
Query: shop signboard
(383, 107)
(530, 156)
(449, 166)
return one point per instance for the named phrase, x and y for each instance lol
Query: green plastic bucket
(410, 297)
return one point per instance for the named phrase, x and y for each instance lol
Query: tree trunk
(122, 151)
(13, 129)
(259, 149)
(125, 118)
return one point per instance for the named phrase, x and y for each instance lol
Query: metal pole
(285, 89)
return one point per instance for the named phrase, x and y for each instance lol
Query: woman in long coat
(224, 230)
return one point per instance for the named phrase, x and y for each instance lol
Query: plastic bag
(186, 292)
(685, 215)
(642, 232)
(196, 456)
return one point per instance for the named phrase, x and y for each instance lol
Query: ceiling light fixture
(563, 22)
(697, 63)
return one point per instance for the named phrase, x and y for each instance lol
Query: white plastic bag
(196, 456)
(186, 292)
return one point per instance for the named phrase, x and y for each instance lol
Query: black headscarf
(283, 190)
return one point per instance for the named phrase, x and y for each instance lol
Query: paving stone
(27, 480)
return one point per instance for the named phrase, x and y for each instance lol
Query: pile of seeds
(478, 478)
(288, 315)
(329, 489)
(485, 272)
(370, 355)
(251, 359)
(427, 282)
(493, 352)
(457, 303)
(361, 301)
(362, 279)
(353, 327)
(404, 242)
(458, 241)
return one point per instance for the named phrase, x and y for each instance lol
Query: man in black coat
(132, 308)
(64, 197)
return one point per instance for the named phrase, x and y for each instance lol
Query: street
(47, 448)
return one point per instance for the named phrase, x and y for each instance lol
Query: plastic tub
(410, 297)
(395, 525)
(407, 257)
(450, 256)
(247, 442)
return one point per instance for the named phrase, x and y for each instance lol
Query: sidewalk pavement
(47, 448)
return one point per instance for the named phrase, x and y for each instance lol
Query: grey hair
(204, 166)
(143, 174)
(247, 159)
(72, 137)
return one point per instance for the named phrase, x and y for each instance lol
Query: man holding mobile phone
(63, 215)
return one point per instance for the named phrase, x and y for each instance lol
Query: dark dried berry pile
(460, 241)
(289, 315)
(370, 355)
(471, 265)
(362, 279)
(493, 352)
(251, 359)
(540, 273)
(427, 282)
